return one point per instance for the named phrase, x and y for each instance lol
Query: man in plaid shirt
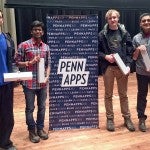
(28, 57)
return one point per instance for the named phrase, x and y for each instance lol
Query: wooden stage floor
(86, 139)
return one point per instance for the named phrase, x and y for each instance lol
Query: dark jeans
(142, 83)
(6, 115)
(30, 99)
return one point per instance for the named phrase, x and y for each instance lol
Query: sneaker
(128, 124)
(142, 126)
(42, 134)
(110, 125)
(34, 138)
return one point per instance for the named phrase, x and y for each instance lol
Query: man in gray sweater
(141, 42)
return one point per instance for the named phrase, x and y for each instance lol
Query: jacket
(125, 53)
(10, 53)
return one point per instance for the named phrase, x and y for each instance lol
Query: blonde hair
(110, 11)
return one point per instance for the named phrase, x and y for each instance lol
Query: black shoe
(34, 138)
(142, 126)
(10, 148)
(42, 134)
(128, 124)
(110, 125)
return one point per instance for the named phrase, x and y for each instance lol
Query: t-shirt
(3, 59)
(114, 40)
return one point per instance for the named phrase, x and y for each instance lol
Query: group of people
(113, 38)
(27, 58)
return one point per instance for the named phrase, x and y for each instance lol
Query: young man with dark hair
(141, 42)
(28, 57)
(7, 52)
(114, 38)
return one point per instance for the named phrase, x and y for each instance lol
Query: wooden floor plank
(86, 139)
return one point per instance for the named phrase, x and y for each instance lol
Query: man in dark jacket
(7, 52)
(115, 39)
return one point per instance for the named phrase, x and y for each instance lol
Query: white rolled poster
(121, 64)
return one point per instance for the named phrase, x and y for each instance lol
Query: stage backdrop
(73, 91)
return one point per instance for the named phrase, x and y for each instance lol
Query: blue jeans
(142, 82)
(30, 99)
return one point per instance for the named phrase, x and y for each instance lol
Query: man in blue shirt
(7, 52)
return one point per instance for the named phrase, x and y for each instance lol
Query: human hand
(46, 79)
(110, 58)
(128, 68)
(34, 60)
(141, 48)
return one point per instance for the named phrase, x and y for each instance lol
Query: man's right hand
(110, 58)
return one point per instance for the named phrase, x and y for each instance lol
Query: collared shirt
(141, 39)
(26, 52)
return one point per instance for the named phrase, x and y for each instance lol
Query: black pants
(6, 115)
(142, 83)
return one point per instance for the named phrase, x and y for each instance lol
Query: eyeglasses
(144, 20)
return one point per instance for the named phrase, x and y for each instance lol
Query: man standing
(115, 39)
(7, 52)
(141, 42)
(28, 57)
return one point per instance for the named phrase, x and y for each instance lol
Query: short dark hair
(143, 15)
(37, 23)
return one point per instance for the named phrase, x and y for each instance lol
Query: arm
(21, 60)
(102, 50)
(138, 50)
(138, 47)
(22, 64)
(129, 50)
(47, 74)
(48, 61)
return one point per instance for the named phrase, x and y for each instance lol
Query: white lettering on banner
(73, 71)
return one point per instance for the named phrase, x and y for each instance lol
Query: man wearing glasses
(141, 42)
